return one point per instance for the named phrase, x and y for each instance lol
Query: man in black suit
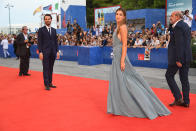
(48, 50)
(179, 58)
(23, 51)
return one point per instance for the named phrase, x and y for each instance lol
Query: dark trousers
(48, 63)
(24, 64)
(183, 73)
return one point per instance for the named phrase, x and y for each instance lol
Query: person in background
(137, 43)
(5, 44)
(188, 18)
(15, 47)
(160, 28)
(154, 42)
(69, 27)
(23, 51)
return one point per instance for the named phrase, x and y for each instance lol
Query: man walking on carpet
(179, 58)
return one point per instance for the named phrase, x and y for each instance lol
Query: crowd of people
(155, 37)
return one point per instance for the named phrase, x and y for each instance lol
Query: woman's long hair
(124, 21)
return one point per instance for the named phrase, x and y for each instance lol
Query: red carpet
(78, 104)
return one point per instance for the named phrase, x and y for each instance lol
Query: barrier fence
(102, 55)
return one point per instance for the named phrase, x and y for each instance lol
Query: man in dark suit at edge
(179, 58)
(48, 50)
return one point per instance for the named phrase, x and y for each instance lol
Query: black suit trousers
(24, 64)
(183, 74)
(48, 63)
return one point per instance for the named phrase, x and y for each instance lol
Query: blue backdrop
(74, 12)
(151, 16)
(194, 14)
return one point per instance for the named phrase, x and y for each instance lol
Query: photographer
(23, 51)
(69, 27)
(160, 28)
(188, 18)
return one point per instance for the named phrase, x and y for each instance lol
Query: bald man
(179, 58)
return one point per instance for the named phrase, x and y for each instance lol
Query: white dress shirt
(25, 36)
(175, 23)
(49, 29)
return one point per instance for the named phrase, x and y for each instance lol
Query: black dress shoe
(176, 103)
(185, 105)
(26, 74)
(47, 88)
(20, 74)
(52, 86)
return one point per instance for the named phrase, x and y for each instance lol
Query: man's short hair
(24, 27)
(47, 15)
(186, 11)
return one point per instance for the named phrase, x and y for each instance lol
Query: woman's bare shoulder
(123, 27)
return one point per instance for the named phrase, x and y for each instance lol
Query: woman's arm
(123, 33)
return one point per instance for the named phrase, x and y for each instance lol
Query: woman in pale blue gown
(129, 94)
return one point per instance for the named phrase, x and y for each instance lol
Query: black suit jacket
(179, 48)
(22, 49)
(47, 42)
